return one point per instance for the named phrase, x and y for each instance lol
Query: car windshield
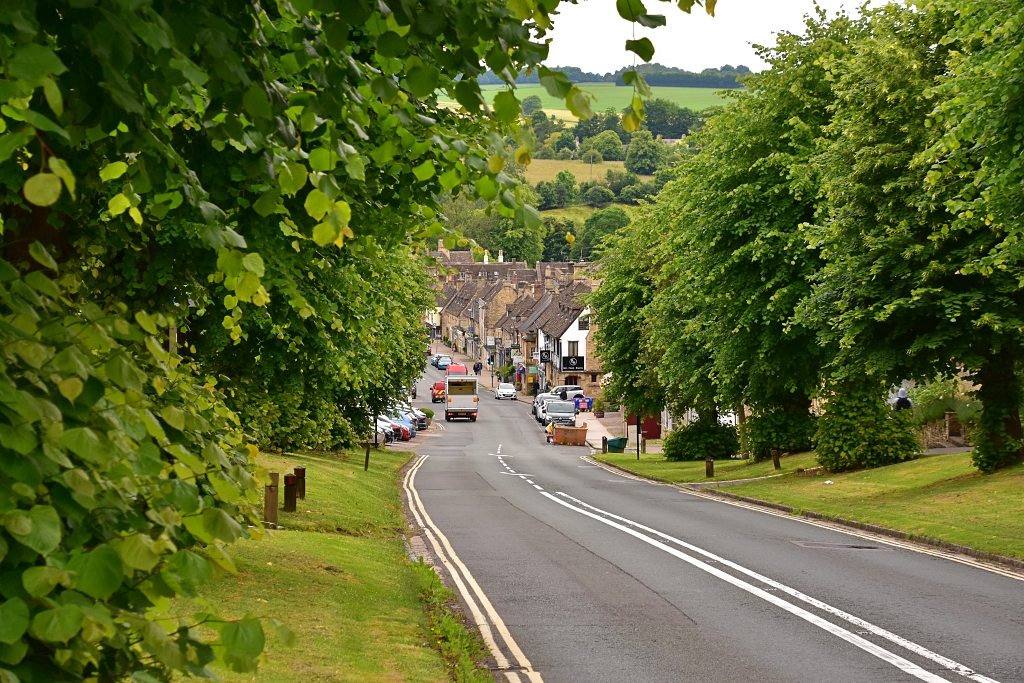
(561, 407)
(506, 387)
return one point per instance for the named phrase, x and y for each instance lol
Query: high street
(582, 574)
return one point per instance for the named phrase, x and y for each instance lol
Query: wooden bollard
(775, 460)
(366, 463)
(270, 500)
(300, 482)
(709, 467)
(289, 492)
(604, 444)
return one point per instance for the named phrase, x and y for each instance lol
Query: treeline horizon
(655, 74)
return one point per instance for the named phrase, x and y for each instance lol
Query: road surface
(578, 574)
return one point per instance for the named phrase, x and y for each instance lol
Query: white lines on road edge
(831, 526)
(856, 621)
(441, 546)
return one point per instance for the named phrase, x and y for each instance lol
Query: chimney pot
(501, 256)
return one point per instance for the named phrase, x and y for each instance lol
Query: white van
(461, 398)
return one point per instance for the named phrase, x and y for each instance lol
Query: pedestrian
(902, 402)
(564, 395)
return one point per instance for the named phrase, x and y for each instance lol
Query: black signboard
(572, 363)
(545, 356)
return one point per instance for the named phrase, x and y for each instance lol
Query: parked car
(443, 362)
(571, 391)
(400, 431)
(538, 404)
(408, 423)
(560, 412)
(435, 358)
(414, 413)
(457, 369)
(437, 392)
(386, 430)
(505, 390)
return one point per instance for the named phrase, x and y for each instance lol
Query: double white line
(470, 590)
(652, 536)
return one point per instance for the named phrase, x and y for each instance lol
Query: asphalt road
(602, 578)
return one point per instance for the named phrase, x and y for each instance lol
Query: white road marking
(437, 541)
(499, 448)
(831, 526)
(894, 659)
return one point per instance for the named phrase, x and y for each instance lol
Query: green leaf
(220, 524)
(283, 633)
(87, 444)
(630, 9)
(61, 169)
(317, 204)
(54, 98)
(243, 638)
(555, 82)
(422, 80)
(390, 44)
(118, 204)
(506, 106)
(45, 534)
(39, 581)
(642, 47)
(113, 170)
(98, 573)
(424, 171)
(267, 203)
(13, 141)
(486, 188)
(254, 264)
(651, 20)
(322, 159)
(57, 625)
(247, 286)
(384, 87)
(256, 102)
(13, 620)
(123, 372)
(42, 189)
(136, 551)
(174, 417)
(637, 81)
(291, 176)
(42, 256)
(34, 61)
(325, 233)
(578, 102)
(450, 178)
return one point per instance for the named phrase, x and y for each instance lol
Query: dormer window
(584, 323)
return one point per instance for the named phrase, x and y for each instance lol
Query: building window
(593, 377)
(584, 323)
(574, 349)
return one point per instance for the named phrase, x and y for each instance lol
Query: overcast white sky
(592, 36)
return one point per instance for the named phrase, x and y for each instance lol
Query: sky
(592, 36)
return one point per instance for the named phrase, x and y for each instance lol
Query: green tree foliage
(786, 431)
(556, 246)
(620, 179)
(858, 429)
(518, 241)
(608, 120)
(531, 104)
(600, 224)
(598, 196)
(565, 140)
(700, 439)
(607, 143)
(645, 154)
(667, 119)
(655, 74)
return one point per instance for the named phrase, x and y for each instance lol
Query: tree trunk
(741, 419)
(1000, 436)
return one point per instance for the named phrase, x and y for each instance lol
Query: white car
(539, 405)
(505, 390)
(571, 391)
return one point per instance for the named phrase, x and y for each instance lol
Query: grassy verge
(941, 496)
(339, 577)
(654, 465)
(938, 496)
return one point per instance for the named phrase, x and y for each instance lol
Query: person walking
(902, 401)
(564, 395)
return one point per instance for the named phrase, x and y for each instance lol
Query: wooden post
(366, 464)
(709, 467)
(270, 500)
(289, 492)
(643, 445)
(775, 459)
(300, 482)
(604, 444)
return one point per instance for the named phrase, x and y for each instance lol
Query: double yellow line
(470, 590)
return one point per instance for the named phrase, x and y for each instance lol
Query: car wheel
(472, 419)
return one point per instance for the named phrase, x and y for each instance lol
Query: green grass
(547, 169)
(609, 95)
(940, 496)
(338, 576)
(655, 466)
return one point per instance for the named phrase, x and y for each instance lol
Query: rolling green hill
(609, 95)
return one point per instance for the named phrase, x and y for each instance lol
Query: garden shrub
(700, 439)
(780, 430)
(859, 429)
(933, 399)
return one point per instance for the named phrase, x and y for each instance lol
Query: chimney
(442, 250)
(515, 275)
(486, 256)
(538, 292)
(572, 268)
(501, 256)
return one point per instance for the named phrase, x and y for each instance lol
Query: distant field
(610, 95)
(546, 169)
(580, 213)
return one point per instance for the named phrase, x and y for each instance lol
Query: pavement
(578, 573)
